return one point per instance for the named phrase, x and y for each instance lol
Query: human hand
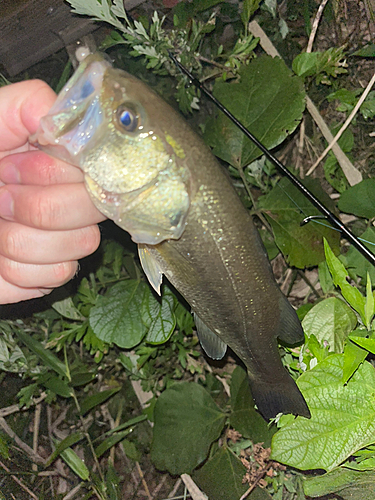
(47, 221)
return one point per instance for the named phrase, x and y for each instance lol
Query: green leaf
(58, 386)
(75, 463)
(244, 418)
(221, 477)
(339, 274)
(353, 357)
(67, 309)
(248, 9)
(4, 448)
(97, 399)
(325, 278)
(369, 304)
(64, 444)
(186, 10)
(359, 199)
(119, 316)
(349, 484)
(112, 480)
(366, 343)
(48, 358)
(331, 321)
(163, 321)
(305, 63)
(368, 51)
(356, 262)
(301, 246)
(269, 101)
(342, 417)
(82, 377)
(111, 441)
(187, 413)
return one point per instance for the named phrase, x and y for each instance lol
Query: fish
(147, 170)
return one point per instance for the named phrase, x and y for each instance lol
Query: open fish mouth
(76, 116)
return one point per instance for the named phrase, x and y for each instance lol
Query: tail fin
(279, 397)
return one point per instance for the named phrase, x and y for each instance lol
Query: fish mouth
(76, 115)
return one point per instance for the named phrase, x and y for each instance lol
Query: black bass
(151, 174)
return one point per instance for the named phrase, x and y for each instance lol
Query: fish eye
(127, 118)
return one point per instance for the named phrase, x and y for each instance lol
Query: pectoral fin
(213, 346)
(151, 268)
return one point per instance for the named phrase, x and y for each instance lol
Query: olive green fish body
(149, 172)
(220, 266)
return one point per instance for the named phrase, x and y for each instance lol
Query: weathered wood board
(31, 30)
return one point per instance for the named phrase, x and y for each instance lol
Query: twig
(260, 475)
(351, 173)
(26, 448)
(315, 25)
(195, 492)
(145, 485)
(38, 410)
(345, 125)
(175, 488)
(19, 482)
(159, 486)
(4, 412)
(301, 141)
(72, 493)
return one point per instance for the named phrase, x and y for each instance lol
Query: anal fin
(290, 330)
(212, 345)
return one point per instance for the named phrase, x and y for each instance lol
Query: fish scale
(202, 238)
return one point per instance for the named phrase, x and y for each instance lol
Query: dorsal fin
(213, 346)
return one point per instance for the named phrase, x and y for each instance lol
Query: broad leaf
(187, 421)
(330, 321)
(163, 320)
(221, 478)
(353, 357)
(285, 207)
(342, 417)
(118, 317)
(268, 100)
(359, 199)
(130, 310)
(349, 484)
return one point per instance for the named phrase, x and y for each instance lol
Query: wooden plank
(31, 30)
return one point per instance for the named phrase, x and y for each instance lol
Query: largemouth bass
(151, 174)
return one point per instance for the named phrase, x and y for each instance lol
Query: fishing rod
(347, 234)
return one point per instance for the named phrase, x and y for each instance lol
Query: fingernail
(10, 174)
(6, 205)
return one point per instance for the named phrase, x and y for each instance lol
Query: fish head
(120, 133)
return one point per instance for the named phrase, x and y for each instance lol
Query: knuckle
(88, 240)
(12, 243)
(62, 272)
(11, 271)
(45, 211)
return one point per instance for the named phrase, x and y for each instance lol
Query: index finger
(21, 107)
